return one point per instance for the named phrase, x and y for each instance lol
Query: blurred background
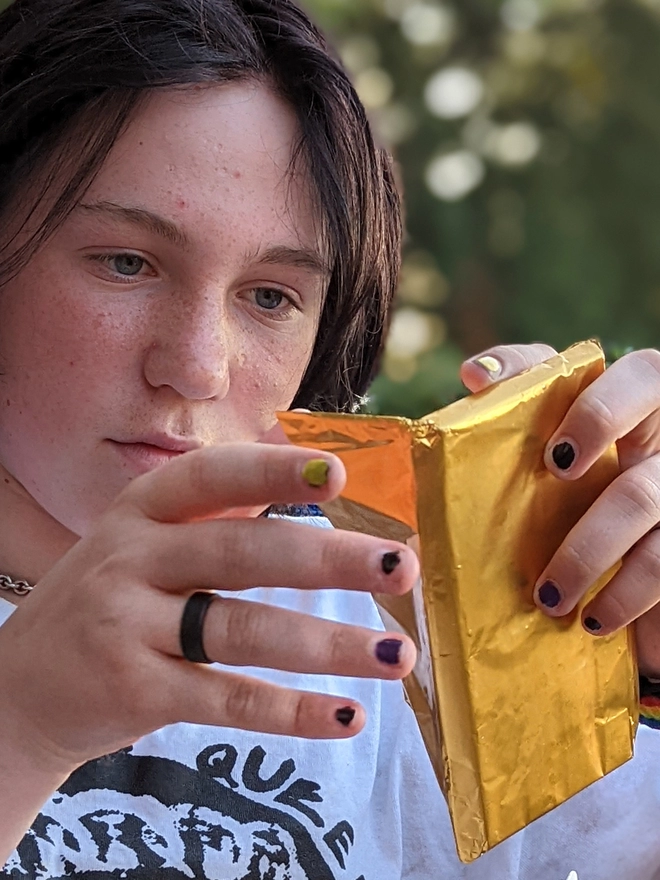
(528, 138)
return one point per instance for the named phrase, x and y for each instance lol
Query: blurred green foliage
(528, 137)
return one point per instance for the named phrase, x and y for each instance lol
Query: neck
(31, 541)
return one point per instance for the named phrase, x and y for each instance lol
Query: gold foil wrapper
(518, 711)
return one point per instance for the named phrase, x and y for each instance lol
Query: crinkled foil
(518, 711)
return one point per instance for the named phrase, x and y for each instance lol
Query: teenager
(198, 231)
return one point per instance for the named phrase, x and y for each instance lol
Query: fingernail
(563, 455)
(549, 595)
(490, 364)
(345, 716)
(315, 472)
(389, 561)
(388, 651)
(591, 624)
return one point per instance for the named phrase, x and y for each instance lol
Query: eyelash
(105, 259)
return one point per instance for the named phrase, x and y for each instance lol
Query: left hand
(622, 406)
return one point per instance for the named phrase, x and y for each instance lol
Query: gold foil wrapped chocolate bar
(518, 711)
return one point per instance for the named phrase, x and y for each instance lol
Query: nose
(191, 350)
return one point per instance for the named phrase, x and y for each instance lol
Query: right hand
(90, 661)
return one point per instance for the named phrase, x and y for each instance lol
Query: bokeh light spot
(424, 24)
(374, 86)
(453, 92)
(454, 175)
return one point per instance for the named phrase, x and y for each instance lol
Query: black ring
(192, 627)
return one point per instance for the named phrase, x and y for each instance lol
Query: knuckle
(539, 351)
(647, 561)
(641, 494)
(581, 562)
(522, 357)
(243, 704)
(300, 713)
(648, 356)
(200, 472)
(611, 609)
(329, 553)
(271, 470)
(228, 552)
(339, 645)
(602, 420)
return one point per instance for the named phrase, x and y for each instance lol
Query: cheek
(55, 352)
(276, 368)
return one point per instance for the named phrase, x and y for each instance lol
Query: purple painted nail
(592, 624)
(563, 455)
(389, 561)
(549, 595)
(345, 716)
(388, 651)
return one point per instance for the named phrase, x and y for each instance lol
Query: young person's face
(176, 307)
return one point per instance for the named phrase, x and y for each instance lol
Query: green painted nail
(490, 364)
(315, 472)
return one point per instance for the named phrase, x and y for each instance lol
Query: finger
(209, 696)
(619, 518)
(238, 554)
(206, 482)
(240, 632)
(634, 590)
(606, 411)
(502, 362)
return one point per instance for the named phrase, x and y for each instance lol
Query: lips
(145, 455)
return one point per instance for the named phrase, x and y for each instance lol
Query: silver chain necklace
(20, 588)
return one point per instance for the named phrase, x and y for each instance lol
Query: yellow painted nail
(490, 364)
(315, 472)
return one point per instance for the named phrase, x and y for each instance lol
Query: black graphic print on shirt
(142, 818)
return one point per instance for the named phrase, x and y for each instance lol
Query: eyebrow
(142, 218)
(303, 258)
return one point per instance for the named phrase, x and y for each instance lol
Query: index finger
(606, 411)
(234, 476)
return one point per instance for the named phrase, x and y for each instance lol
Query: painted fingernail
(563, 455)
(315, 472)
(388, 651)
(549, 595)
(389, 561)
(345, 716)
(593, 625)
(490, 364)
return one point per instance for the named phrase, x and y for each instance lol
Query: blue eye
(127, 264)
(267, 298)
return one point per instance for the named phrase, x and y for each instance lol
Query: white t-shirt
(209, 802)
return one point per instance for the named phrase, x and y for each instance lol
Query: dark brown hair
(73, 71)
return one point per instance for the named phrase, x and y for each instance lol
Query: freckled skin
(186, 349)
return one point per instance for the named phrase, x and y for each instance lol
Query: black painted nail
(390, 561)
(563, 455)
(592, 624)
(388, 651)
(549, 595)
(345, 716)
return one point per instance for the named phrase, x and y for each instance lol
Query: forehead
(212, 154)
